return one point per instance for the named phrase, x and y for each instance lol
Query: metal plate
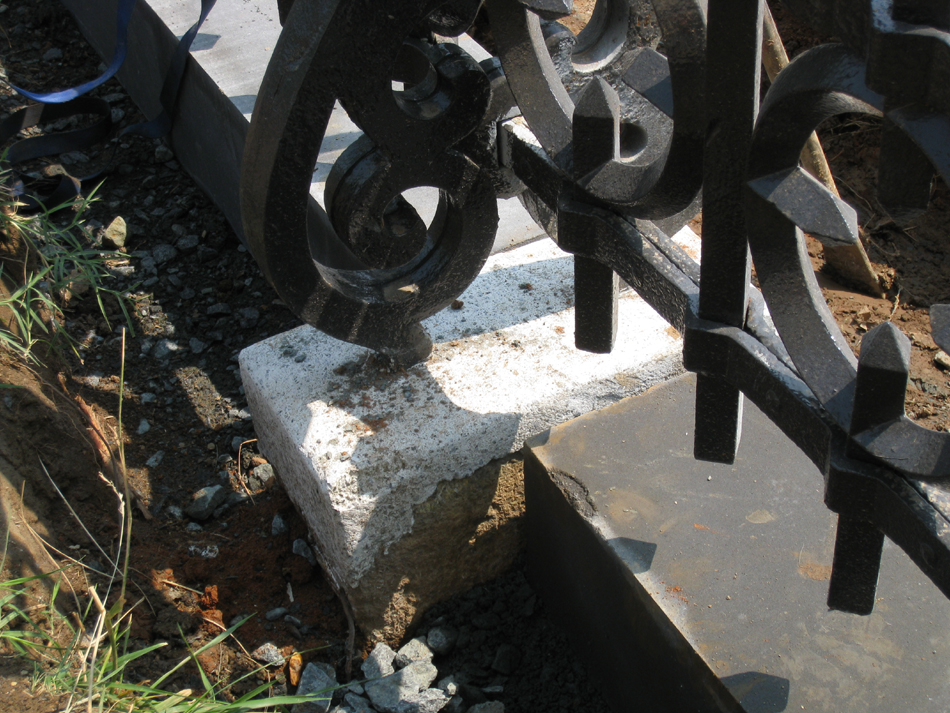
(709, 582)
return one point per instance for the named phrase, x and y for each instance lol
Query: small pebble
(155, 460)
(115, 235)
(278, 526)
(269, 654)
(275, 613)
(300, 547)
(221, 308)
(441, 639)
(163, 153)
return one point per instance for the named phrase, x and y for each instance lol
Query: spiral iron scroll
(618, 127)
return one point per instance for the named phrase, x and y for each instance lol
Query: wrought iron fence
(609, 137)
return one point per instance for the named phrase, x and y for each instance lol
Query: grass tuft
(45, 267)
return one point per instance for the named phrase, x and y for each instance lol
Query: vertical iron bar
(733, 69)
(596, 132)
(596, 303)
(856, 566)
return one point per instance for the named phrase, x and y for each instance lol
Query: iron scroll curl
(313, 259)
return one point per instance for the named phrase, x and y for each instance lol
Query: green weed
(55, 264)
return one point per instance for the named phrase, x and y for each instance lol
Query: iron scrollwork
(619, 129)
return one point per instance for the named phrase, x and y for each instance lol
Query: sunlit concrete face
(361, 448)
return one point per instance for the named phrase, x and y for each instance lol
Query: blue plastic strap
(121, 47)
(161, 124)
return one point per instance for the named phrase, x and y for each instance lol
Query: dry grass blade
(115, 567)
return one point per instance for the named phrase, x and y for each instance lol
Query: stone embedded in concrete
(401, 475)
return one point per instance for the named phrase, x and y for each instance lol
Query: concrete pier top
(360, 447)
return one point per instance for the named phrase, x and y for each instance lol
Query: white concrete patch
(358, 446)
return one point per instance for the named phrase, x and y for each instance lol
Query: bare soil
(63, 418)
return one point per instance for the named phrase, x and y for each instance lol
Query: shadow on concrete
(204, 41)
(636, 554)
(244, 102)
(759, 692)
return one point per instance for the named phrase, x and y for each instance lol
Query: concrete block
(406, 478)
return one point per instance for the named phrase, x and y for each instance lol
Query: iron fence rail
(610, 137)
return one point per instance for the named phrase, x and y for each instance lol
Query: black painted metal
(617, 132)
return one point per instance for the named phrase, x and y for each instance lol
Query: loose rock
(380, 661)
(261, 477)
(300, 547)
(441, 639)
(392, 693)
(430, 700)
(269, 654)
(155, 460)
(248, 317)
(162, 253)
(206, 501)
(506, 659)
(489, 707)
(220, 308)
(115, 235)
(163, 153)
(187, 244)
(164, 348)
(317, 678)
(357, 704)
(415, 650)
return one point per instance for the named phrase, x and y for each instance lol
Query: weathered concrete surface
(381, 463)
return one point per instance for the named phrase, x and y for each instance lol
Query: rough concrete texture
(381, 463)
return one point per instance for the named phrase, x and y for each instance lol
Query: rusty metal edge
(632, 651)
